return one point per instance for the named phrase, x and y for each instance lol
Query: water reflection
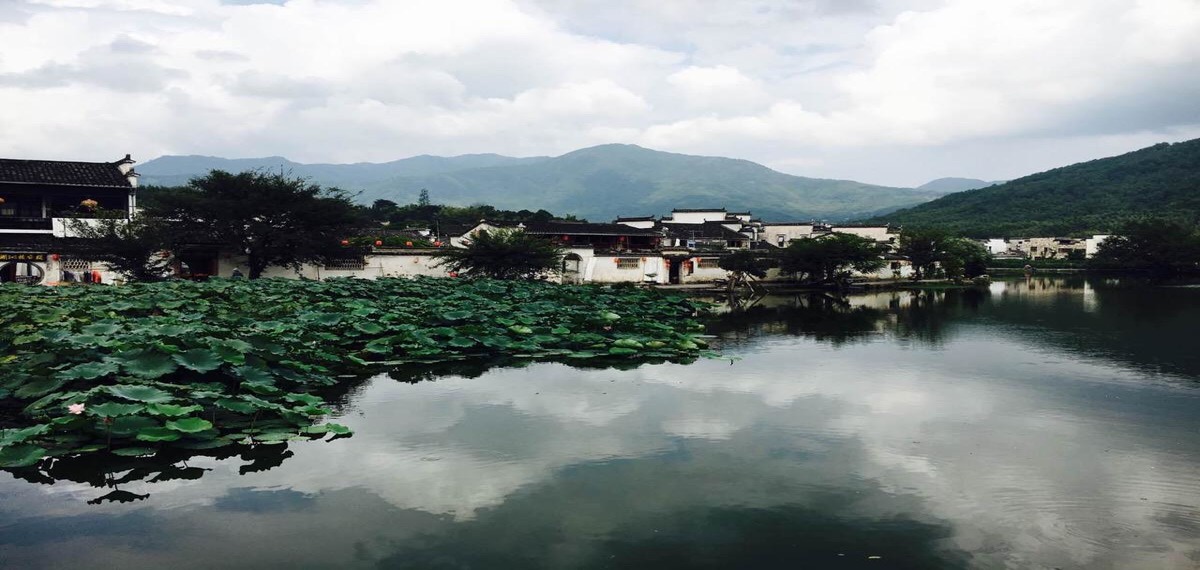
(936, 430)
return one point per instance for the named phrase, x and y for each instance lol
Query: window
(628, 263)
(76, 264)
(346, 264)
(708, 263)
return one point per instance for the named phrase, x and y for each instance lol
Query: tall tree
(135, 247)
(503, 254)
(1160, 247)
(828, 259)
(273, 219)
(924, 248)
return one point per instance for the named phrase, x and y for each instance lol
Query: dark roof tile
(62, 173)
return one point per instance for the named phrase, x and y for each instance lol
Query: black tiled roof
(637, 219)
(580, 228)
(695, 210)
(62, 173)
(707, 230)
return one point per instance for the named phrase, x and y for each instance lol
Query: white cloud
(812, 86)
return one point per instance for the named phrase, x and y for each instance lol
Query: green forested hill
(1098, 196)
(598, 183)
(603, 182)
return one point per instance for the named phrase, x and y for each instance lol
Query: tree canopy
(136, 247)
(1098, 196)
(503, 254)
(829, 258)
(1161, 247)
(274, 219)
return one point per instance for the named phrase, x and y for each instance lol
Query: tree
(423, 198)
(924, 249)
(503, 254)
(1160, 247)
(963, 257)
(829, 258)
(274, 219)
(135, 247)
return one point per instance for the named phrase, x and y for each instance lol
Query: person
(237, 273)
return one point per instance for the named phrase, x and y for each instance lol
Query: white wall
(770, 233)
(406, 263)
(697, 217)
(640, 224)
(1092, 245)
(879, 234)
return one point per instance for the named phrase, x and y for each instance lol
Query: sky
(895, 92)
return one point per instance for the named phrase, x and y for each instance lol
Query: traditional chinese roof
(585, 228)
(706, 230)
(697, 210)
(62, 173)
(637, 219)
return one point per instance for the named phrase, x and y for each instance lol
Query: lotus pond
(153, 369)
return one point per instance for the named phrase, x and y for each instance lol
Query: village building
(38, 201)
(1050, 247)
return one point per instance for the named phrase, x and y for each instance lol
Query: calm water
(1044, 423)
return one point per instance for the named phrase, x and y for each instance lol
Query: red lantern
(53, 256)
(408, 243)
(437, 244)
(454, 274)
(566, 238)
(378, 243)
(345, 242)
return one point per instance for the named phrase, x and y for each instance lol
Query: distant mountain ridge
(1097, 196)
(952, 184)
(598, 183)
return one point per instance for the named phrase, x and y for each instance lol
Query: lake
(1044, 422)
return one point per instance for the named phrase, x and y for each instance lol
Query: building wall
(640, 224)
(879, 234)
(406, 263)
(771, 233)
(604, 268)
(697, 217)
(1092, 245)
(703, 270)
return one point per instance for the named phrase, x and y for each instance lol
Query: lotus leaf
(157, 433)
(147, 363)
(239, 406)
(189, 425)
(101, 329)
(90, 370)
(368, 328)
(171, 410)
(21, 456)
(113, 409)
(134, 451)
(10, 436)
(199, 360)
(40, 387)
(136, 393)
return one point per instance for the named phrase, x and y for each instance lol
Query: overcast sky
(885, 91)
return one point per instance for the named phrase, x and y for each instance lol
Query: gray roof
(62, 173)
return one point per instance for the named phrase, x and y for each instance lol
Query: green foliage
(745, 262)
(503, 254)
(829, 258)
(133, 246)
(276, 220)
(439, 216)
(1161, 247)
(929, 248)
(1099, 196)
(145, 368)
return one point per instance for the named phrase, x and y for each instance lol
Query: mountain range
(1097, 196)
(597, 183)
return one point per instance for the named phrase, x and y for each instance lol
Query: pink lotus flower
(76, 408)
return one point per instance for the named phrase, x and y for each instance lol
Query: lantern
(89, 203)
(408, 244)
(53, 256)
(1, 200)
(345, 242)
(378, 242)
(437, 244)
(454, 274)
(566, 238)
